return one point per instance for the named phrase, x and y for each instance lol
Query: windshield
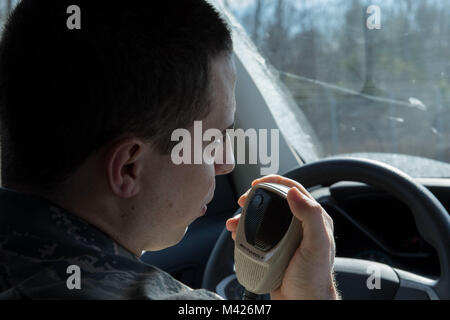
(6, 7)
(370, 76)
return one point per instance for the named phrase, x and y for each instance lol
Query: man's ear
(124, 166)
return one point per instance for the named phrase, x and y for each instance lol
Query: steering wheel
(431, 218)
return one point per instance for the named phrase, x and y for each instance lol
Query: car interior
(361, 114)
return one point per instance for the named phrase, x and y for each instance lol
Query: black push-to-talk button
(267, 219)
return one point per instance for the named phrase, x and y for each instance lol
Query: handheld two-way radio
(266, 238)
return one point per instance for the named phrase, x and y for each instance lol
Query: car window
(370, 76)
(5, 8)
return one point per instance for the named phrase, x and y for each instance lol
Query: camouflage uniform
(39, 241)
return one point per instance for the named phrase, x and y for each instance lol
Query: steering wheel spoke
(415, 287)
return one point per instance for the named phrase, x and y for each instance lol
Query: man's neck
(90, 211)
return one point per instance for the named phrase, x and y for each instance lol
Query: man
(86, 116)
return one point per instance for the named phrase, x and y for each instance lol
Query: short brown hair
(135, 66)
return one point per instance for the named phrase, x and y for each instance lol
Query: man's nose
(226, 164)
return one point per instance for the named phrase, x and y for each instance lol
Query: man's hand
(309, 274)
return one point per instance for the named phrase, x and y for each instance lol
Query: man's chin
(176, 239)
(180, 237)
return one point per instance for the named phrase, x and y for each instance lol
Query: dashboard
(372, 225)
